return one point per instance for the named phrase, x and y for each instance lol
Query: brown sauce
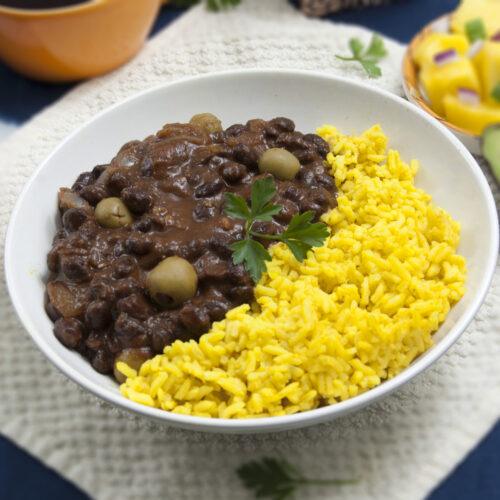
(173, 183)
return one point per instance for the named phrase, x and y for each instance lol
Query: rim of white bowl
(285, 422)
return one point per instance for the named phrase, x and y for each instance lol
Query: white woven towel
(401, 447)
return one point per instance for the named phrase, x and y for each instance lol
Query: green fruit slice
(491, 148)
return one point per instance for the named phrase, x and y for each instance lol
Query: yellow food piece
(487, 10)
(472, 117)
(355, 312)
(439, 81)
(488, 64)
(434, 43)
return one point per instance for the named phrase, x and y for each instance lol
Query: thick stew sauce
(143, 256)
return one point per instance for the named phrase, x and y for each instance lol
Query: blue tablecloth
(24, 478)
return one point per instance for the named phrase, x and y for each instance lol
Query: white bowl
(448, 172)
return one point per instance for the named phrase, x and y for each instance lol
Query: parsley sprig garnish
(367, 58)
(300, 235)
(278, 479)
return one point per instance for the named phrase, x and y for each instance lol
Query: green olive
(207, 122)
(112, 213)
(279, 162)
(172, 281)
(133, 357)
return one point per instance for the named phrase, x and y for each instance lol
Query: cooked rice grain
(356, 312)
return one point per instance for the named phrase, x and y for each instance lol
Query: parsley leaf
(253, 254)
(262, 191)
(371, 68)
(376, 48)
(496, 92)
(356, 47)
(367, 58)
(300, 236)
(278, 479)
(475, 30)
(236, 207)
(301, 229)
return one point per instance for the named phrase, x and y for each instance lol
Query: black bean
(326, 181)
(209, 187)
(53, 260)
(69, 331)
(123, 266)
(272, 130)
(103, 361)
(291, 192)
(139, 245)
(305, 155)
(220, 244)
(264, 227)
(283, 124)
(194, 249)
(243, 154)
(242, 294)
(98, 170)
(194, 319)
(130, 331)
(136, 306)
(238, 275)
(163, 331)
(306, 176)
(74, 218)
(84, 179)
(89, 230)
(52, 311)
(100, 289)
(125, 286)
(320, 144)
(95, 341)
(75, 268)
(287, 212)
(217, 308)
(321, 197)
(235, 130)
(94, 193)
(117, 183)
(142, 225)
(308, 205)
(97, 315)
(293, 141)
(233, 172)
(203, 210)
(136, 200)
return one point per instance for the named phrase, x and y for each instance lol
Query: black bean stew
(143, 255)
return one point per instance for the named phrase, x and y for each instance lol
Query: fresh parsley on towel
(367, 58)
(278, 479)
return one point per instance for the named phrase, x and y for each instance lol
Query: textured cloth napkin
(401, 447)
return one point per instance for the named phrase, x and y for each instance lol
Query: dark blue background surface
(24, 478)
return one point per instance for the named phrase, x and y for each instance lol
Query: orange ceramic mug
(75, 42)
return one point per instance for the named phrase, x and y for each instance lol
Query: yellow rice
(357, 311)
